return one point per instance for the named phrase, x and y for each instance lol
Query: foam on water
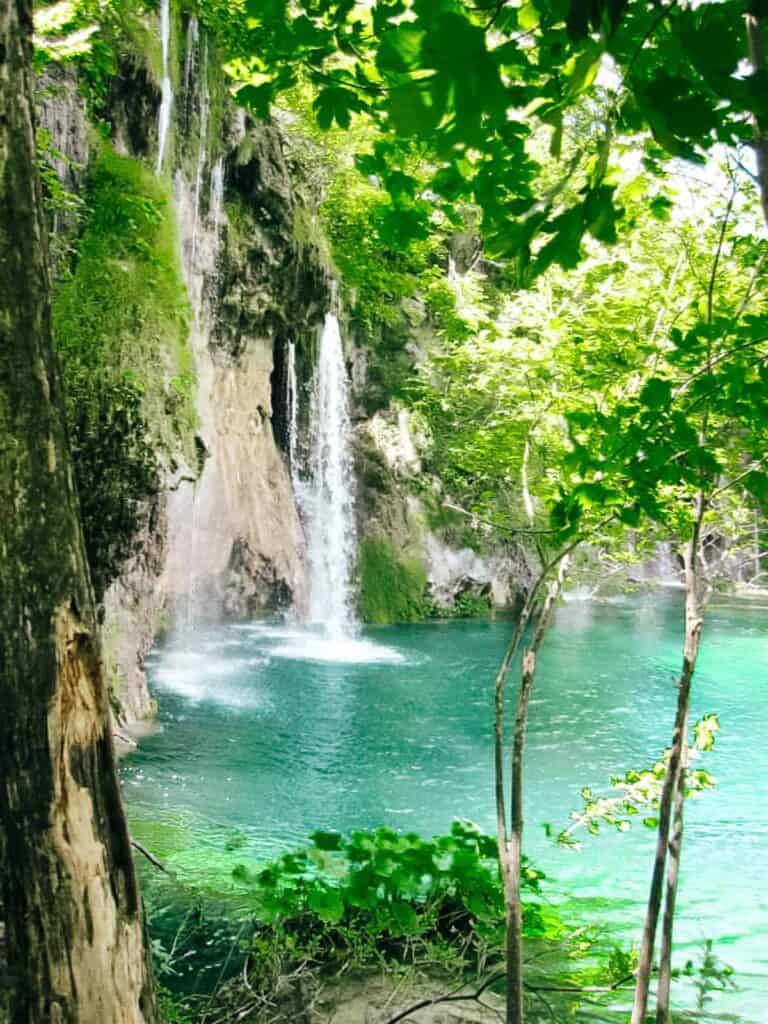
(336, 650)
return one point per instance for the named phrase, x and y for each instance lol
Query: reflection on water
(269, 733)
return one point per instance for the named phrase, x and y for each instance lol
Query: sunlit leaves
(396, 879)
(638, 792)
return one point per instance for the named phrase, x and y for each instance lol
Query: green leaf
(400, 48)
(600, 214)
(327, 904)
(327, 840)
(256, 98)
(656, 393)
(334, 103)
(404, 920)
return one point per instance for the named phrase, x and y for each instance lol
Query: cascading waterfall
(292, 407)
(166, 100)
(329, 495)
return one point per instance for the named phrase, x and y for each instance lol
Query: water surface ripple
(267, 734)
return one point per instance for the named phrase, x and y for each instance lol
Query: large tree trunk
(74, 929)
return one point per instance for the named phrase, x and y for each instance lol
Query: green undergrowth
(392, 588)
(120, 321)
(470, 606)
(373, 899)
(397, 904)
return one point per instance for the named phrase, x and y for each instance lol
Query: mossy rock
(392, 588)
(121, 325)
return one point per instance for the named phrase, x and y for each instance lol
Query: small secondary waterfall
(329, 494)
(216, 201)
(202, 151)
(292, 407)
(166, 101)
(193, 31)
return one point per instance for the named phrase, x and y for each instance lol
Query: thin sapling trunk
(511, 853)
(693, 625)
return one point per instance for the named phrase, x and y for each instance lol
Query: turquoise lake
(269, 732)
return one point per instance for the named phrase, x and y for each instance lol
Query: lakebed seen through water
(269, 733)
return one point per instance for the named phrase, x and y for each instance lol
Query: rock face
(401, 507)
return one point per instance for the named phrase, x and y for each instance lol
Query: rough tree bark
(74, 928)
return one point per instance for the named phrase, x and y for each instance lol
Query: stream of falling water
(202, 152)
(329, 495)
(166, 101)
(292, 406)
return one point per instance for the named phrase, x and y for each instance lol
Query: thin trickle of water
(202, 151)
(166, 101)
(329, 496)
(193, 30)
(216, 203)
(292, 407)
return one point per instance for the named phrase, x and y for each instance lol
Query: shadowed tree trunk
(74, 929)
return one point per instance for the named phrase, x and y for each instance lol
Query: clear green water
(262, 742)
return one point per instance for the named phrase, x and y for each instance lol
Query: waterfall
(329, 498)
(166, 101)
(292, 407)
(202, 151)
(193, 30)
(216, 202)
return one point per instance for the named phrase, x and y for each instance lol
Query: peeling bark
(75, 936)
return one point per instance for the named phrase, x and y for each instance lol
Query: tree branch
(150, 857)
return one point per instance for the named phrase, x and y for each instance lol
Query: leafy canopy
(463, 87)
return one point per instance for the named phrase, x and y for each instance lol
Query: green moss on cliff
(120, 319)
(392, 589)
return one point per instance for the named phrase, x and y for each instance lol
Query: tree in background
(71, 906)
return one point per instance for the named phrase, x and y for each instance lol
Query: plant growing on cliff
(120, 324)
(391, 589)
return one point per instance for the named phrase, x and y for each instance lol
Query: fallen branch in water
(124, 738)
(150, 857)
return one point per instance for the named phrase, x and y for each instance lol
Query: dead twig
(150, 857)
(452, 998)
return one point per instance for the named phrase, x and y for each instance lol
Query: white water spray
(166, 100)
(329, 496)
(216, 201)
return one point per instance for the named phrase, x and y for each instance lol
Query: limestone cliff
(222, 534)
